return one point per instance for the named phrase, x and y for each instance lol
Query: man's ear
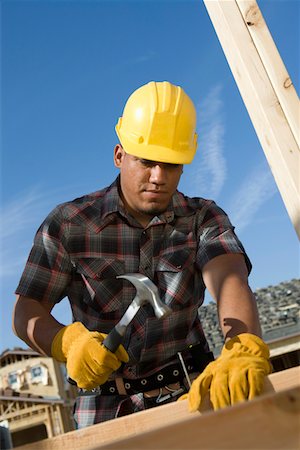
(118, 155)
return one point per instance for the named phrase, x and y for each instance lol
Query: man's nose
(158, 174)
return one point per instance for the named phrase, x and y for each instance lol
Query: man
(141, 223)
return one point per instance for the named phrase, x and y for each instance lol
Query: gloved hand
(88, 362)
(236, 375)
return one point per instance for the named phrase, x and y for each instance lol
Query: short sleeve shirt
(83, 245)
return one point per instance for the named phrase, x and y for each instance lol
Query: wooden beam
(269, 422)
(266, 89)
(151, 419)
(277, 73)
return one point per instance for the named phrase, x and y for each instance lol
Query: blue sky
(68, 68)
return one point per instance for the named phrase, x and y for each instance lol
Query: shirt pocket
(100, 287)
(176, 261)
(175, 272)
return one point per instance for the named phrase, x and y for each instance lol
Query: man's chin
(153, 210)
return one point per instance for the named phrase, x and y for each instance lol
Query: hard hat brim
(156, 152)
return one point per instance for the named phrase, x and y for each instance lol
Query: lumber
(269, 422)
(277, 73)
(151, 419)
(266, 89)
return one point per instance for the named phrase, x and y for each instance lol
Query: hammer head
(147, 292)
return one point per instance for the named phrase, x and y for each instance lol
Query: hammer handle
(112, 340)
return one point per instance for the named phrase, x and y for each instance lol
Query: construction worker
(142, 224)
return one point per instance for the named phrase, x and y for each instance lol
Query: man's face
(147, 186)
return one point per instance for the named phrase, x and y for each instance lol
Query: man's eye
(171, 166)
(168, 166)
(146, 162)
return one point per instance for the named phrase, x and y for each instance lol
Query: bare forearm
(226, 278)
(33, 323)
(237, 310)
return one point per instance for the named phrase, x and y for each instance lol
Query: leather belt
(127, 386)
(168, 375)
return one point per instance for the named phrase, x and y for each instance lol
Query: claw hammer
(146, 292)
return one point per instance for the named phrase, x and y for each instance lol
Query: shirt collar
(111, 203)
(179, 207)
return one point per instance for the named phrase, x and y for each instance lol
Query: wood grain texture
(273, 64)
(139, 423)
(269, 422)
(266, 89)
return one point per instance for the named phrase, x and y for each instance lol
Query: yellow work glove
(88, 362)
(236, 375)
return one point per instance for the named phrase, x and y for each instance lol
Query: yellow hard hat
(158, 124)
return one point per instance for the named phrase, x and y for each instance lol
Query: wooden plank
(275, 116)
(150, 419)
(269, 422)
(275, 68)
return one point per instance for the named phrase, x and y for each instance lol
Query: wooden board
(151, 419)
(266, 89)
(273, 64)
(269, 422)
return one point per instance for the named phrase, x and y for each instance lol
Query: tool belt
(168, 375)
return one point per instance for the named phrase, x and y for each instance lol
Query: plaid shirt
(84, 244)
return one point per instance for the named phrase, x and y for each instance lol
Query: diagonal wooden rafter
(266, 89)
(277, 73)
(7, 408)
